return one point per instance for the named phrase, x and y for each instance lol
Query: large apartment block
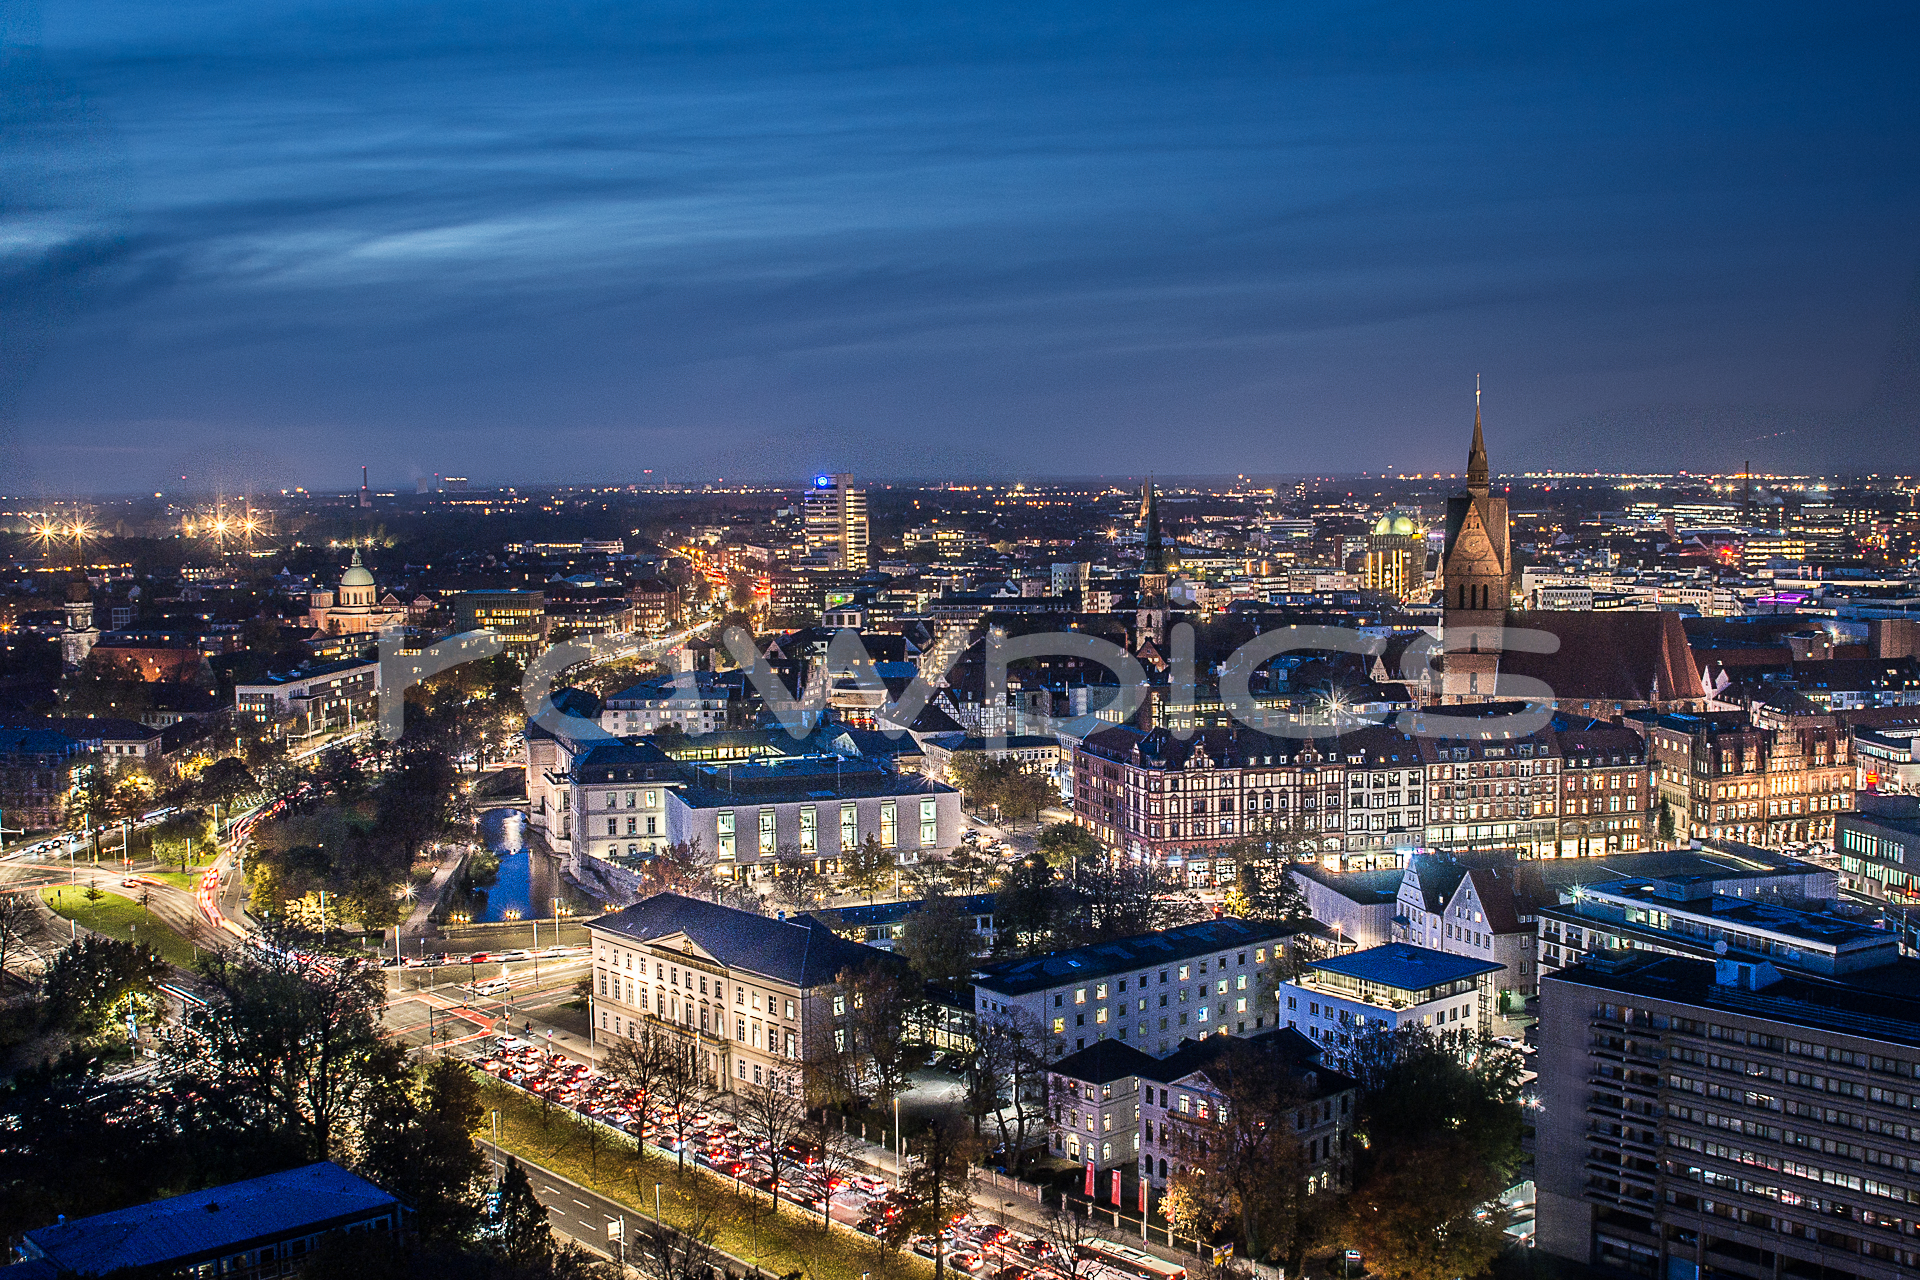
(1718, 1118)
(1151, 991)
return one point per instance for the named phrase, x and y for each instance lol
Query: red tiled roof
(1609, 655)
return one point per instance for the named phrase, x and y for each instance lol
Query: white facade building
(1340, 999)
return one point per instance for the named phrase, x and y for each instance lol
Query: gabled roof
(800, 951)
(210, 1223)
(1613, 655)
(573, 705)
(870, 915)
(1437, 878)
(1363, 888)
(635, 761)
(1497, 902)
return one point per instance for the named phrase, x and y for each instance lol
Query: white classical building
(357, 607)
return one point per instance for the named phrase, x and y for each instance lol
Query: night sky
(264, 242)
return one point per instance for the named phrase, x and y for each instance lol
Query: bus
(1135, 1262)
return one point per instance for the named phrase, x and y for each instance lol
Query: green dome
(356, 574)
(1394, 523)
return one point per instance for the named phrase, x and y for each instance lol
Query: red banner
(1143, 1196)
(1116, 1188)
(1089, 1191)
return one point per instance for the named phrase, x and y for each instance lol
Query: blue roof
(211, 1223)
(1404, 967)
(1102, 959)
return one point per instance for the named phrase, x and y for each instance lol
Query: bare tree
(1014, 1049)
(13, 925)
(880, 1006)
(797, 882)
(940, 1179)
(682, 867)
(683, 1087)
(833, 1071)
(685, 1252)
(833, 1158)
(640, 1062)
(1067, 1231)
(773, 1114)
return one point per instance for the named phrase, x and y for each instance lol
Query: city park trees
(1008, 786)
(868, 867)
(280, 1055)
(938, 940)
(1263, 888)
(1438, 1136)
(357, 847)
(1092, 899)
(1007, 1077)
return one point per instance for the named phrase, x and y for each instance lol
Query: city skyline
(263, 243)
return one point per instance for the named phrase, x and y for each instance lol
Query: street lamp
(656, 1204)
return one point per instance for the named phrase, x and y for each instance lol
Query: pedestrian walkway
(436, 889)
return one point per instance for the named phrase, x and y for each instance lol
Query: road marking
(583, 1204)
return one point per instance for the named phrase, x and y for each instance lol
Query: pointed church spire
(1477, 455)
(1154, 560)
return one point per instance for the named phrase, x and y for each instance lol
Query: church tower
(1150, 618)
(79, 636)
(1476, 573)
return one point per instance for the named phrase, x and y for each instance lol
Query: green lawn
(187, 880)
(122, 918)
(785, 1243)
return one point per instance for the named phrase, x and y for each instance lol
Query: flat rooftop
(786, 779)
(1888, 1010)
(1404, 967)
(1818, 928)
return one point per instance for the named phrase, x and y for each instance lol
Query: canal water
(511, 880)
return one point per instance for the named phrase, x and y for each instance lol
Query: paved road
(422, 1000)
(176, 908)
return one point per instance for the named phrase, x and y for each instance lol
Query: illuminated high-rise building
(836, 523)
(1397, 558)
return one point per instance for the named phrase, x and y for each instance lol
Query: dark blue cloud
(570, 241)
